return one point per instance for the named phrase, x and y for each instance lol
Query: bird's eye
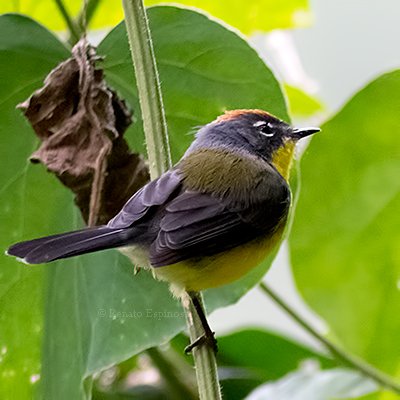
(265, 129)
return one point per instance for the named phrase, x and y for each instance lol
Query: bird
(207, 221)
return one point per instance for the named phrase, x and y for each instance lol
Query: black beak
(300, 133)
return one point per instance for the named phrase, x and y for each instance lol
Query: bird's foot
(207, 339)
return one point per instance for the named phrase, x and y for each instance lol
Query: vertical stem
(86, 14)
(148, 84)
(72, 27)
(155, 128)
(204, 356)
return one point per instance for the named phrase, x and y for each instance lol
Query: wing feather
(155, 193)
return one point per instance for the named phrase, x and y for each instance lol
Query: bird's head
(256, 132)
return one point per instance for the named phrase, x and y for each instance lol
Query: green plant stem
(341, 355)
(72, 27)
(86, 14)
(155, 129)
(179, 388)
(148, 84)
(204, 356)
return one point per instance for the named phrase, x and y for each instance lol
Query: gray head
(255, 131)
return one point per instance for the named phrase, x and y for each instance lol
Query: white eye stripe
(267, 134)
(259, 123)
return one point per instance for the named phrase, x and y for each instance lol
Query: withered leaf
(81, 122)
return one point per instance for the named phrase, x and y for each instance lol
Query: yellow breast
(220, 269)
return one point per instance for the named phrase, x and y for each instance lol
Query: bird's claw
(205, 339)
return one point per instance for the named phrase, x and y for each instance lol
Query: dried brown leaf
(81, 122)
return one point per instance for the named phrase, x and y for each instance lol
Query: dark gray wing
(155, 193)
(198, 224)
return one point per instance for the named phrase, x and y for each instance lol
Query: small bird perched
(207, 221)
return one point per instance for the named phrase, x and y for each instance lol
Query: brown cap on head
(232, 114)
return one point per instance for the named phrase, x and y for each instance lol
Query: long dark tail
(70, 244)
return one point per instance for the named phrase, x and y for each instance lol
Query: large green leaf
(30, 203)
(248, 16)
(97, 312)
(345, 239)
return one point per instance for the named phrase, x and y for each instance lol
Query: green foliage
(345, 238)
(44, 11)
(301, 104)
(261, 355)
(248, 16)
(27, 53)
(254, 15)
(198, 83)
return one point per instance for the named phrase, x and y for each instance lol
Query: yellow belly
(220, 269)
